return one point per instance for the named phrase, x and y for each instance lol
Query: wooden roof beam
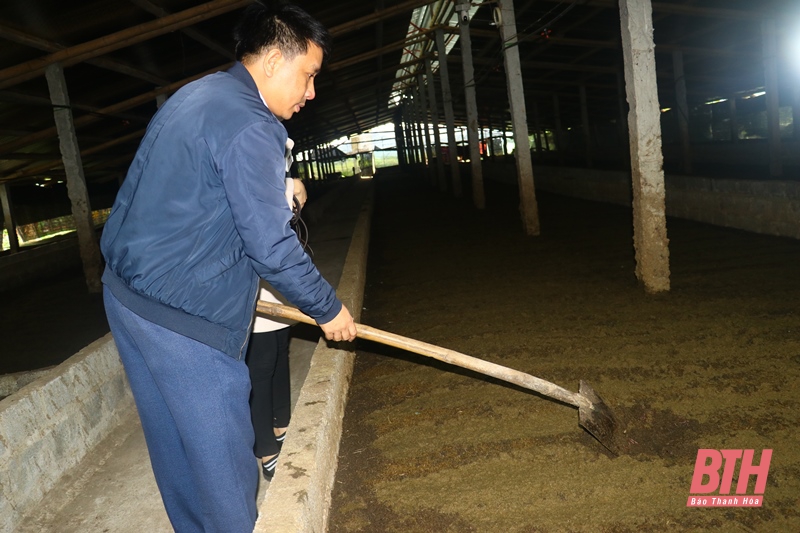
(109, 110)
(114, 65)
(127, 37)
(189, 32)
(377, 16)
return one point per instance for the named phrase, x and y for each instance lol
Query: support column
(587, 135)
(422, 124)
(449, 116)
(407, 126)
(76, 182)
(560, 147)
(435, 121)
(734, 118)
(519, 121)
(419, 119)
(423, 99)
(8, 217)
(309, 165)
(796, 111)
(537, 129)
(471, 101)
(770, 50)
(644, 124)
(491, 135)
(682, 110)
(399, 140)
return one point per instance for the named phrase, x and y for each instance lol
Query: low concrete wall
(768, 207)
(299, 496)
(31, 264)
(11, 383)
(49, 425)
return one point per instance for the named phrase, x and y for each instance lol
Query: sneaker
(268, 468)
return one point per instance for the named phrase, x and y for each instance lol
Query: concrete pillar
(537, 129)
(419, 113)
(318, 153)
(560, 148)
(473, 139)
(435, 121)
(770, 50)
(309, 165)
(423, 100)
(418, 120)
(491, 135)
(449, 116)
(409, 130)
(331, 161)
(585, 128)
(76, 182)
(644, 124)
(519, 121)
(734, 118)
(682, 110)
(796, 111)
(409, 135)
(8, 217)
(399, 139)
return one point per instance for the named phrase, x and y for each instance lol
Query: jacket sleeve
(253, 169)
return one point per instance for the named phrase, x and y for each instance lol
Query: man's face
(291, 82)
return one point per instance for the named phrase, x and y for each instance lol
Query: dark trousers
(192, 400)
(270, 401)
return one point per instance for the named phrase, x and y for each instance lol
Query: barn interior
(586, 85)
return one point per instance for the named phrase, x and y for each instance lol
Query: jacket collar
(239, 72)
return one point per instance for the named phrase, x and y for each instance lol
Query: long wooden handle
(452, 357)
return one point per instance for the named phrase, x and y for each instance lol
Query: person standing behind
(199, 218)
(268, 359)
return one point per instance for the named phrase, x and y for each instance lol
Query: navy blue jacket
(202, 214)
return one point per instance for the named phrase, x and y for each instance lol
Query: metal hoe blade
(598, 419)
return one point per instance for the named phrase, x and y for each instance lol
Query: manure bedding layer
(713, 363)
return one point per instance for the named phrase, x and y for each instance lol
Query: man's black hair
(269, 24)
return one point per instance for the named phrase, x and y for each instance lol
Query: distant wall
(770, 207)
(49, 425)
(31, 264)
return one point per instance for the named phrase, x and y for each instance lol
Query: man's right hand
(341, 328)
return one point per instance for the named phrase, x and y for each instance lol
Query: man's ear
(271, 61)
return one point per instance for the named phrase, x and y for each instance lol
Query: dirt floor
(714, 363)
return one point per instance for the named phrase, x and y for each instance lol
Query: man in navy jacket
(200, 217)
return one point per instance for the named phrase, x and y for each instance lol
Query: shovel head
(598, 419)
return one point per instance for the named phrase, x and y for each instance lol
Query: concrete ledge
(298, 498)
(11, 383)
(49, 425)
